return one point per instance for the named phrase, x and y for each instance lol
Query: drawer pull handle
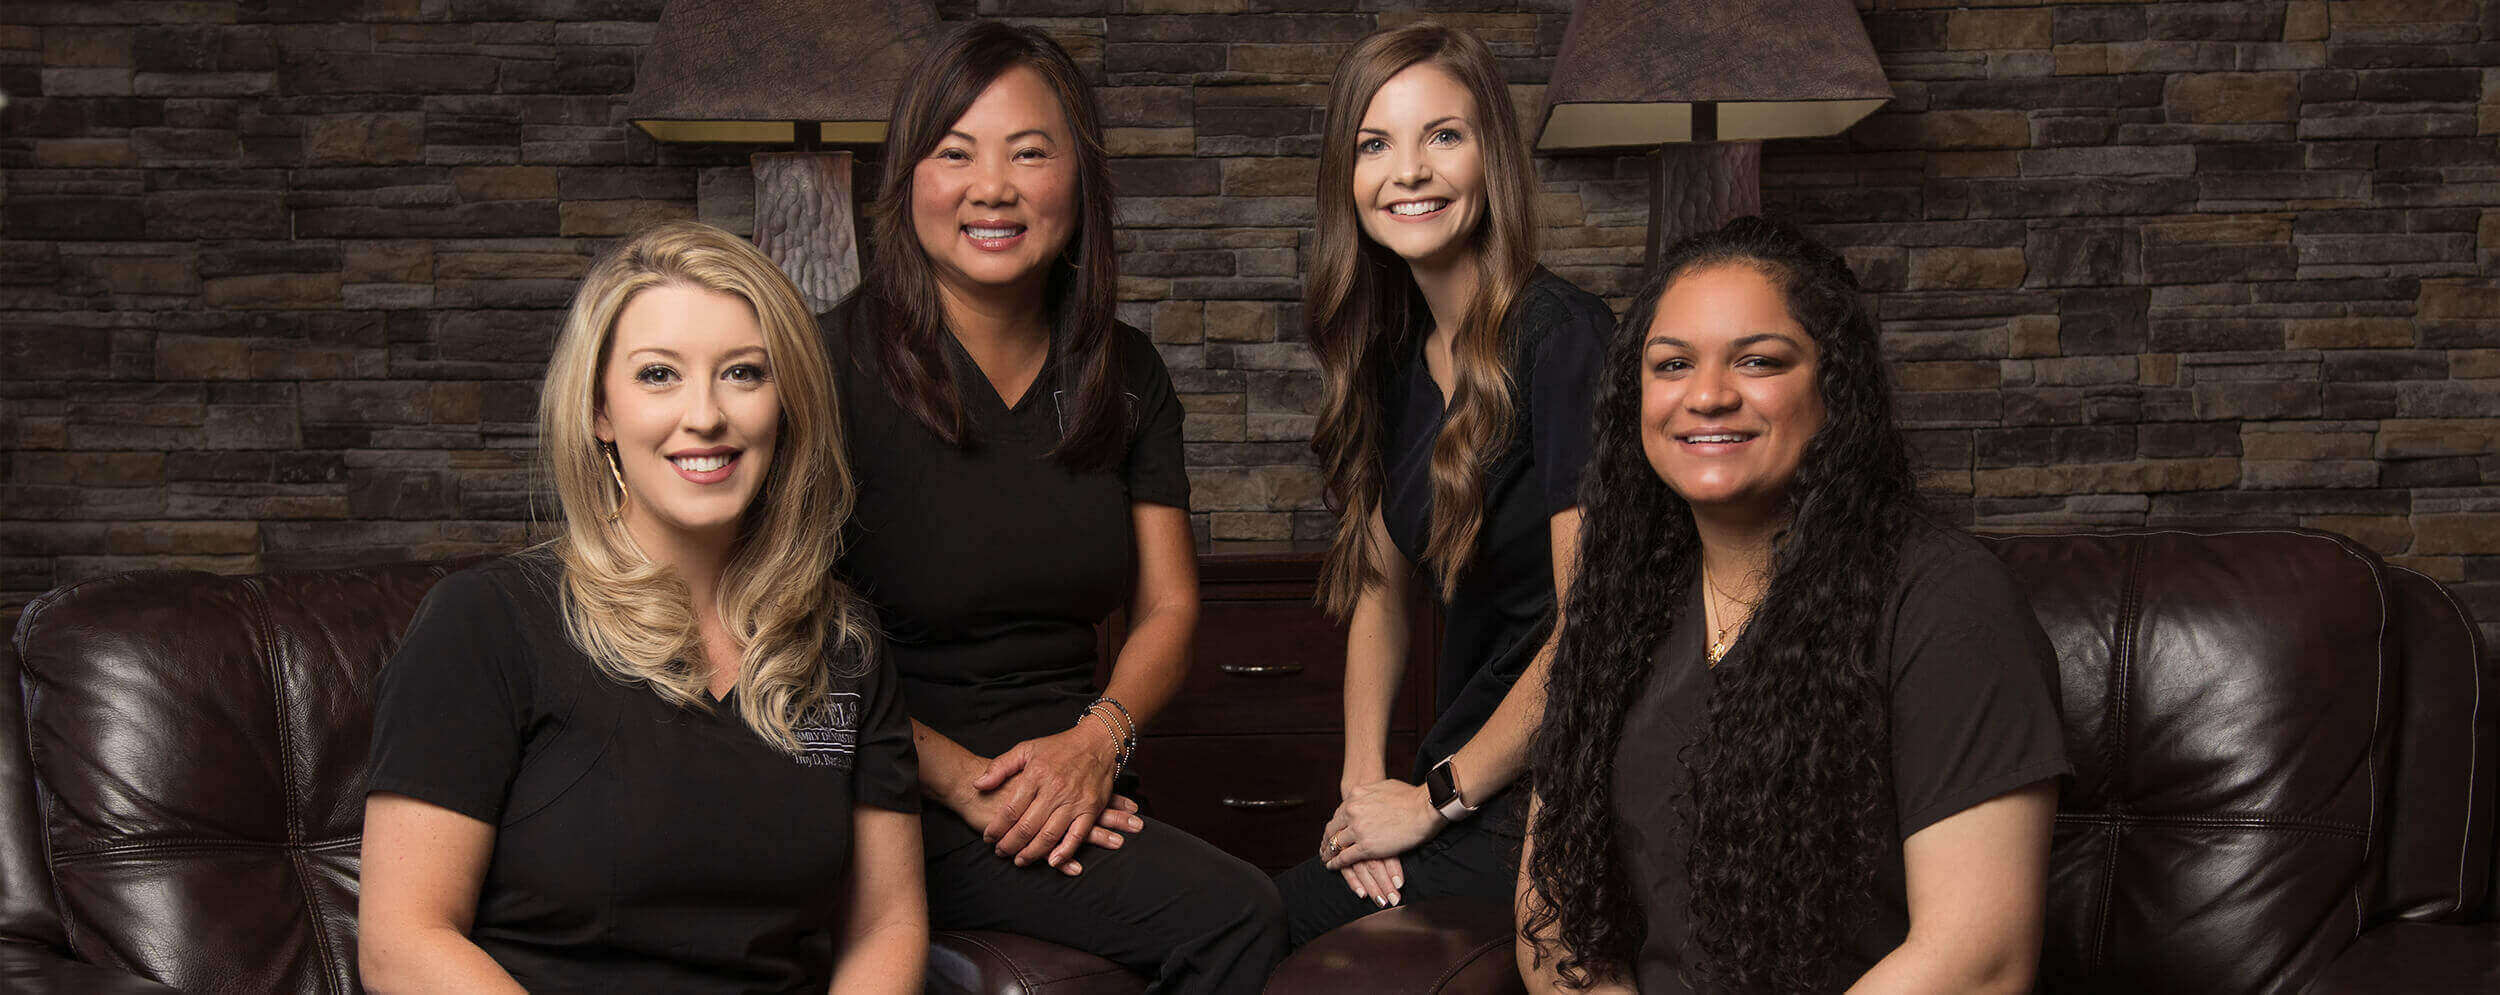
(1261, 670)
(1264, 803)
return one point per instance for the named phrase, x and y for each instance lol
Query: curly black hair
(1793, 755)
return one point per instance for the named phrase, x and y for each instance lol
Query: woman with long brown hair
(1453, 434)
(1020, 461)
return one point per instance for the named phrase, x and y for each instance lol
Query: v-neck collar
(989, 389)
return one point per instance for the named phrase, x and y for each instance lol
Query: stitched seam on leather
(1452, 972)
(2114, 750)
(44, 802)
(2473, 727)
(2251, 822)
(265, 631)
(195, 844)
(2369, 753)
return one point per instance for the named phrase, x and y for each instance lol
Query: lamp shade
(760, 70)
(1631, 72)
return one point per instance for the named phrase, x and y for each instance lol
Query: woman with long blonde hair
(1453, 434)
(663, 750)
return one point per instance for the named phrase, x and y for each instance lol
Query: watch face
(1444, 788)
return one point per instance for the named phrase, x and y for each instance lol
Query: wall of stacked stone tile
(277, 276)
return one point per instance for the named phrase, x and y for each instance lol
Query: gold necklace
(1721, 642)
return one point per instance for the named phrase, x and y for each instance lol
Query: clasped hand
(1045, 797)
(1377, 822)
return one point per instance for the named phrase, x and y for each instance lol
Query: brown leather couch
(182, 791)
(2286, 783)
(2285, 780)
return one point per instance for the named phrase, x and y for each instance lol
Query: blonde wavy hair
(778, 597)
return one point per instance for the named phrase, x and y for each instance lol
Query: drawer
(1261, 798)
(1270, 665)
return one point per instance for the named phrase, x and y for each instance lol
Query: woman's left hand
(1382, 819)
(1057, 787)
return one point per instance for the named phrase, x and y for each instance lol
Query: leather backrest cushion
(27, 912)
(200, 742)
(2440, 803)
(2227, 699)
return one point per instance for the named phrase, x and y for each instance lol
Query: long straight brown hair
(901, 288)
(1362, 304)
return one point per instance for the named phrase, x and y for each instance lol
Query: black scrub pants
(1166, 904)
(1475, 858)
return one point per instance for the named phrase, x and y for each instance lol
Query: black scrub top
(991, 564)
(639, 846)
(1504, 605)
(1973, 715)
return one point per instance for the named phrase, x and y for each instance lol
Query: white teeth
(991, 232)
(702, 464)
(1713, 438)
(1414, 207)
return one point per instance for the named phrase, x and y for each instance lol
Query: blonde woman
(663, 751)
(1456, 423)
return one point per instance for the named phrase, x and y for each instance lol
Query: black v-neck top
(991, 564)
(1973, 715)
(639, 846)
(1504, 604)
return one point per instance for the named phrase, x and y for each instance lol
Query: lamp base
(803, 222)
(1699, 186)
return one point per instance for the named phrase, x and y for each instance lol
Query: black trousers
(1475, 858)
(1166, 904)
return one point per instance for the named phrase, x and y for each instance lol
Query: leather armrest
(2414, 958)
(1458, 946)
(979, 962)
(35, 970)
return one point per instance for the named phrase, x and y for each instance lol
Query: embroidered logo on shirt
(831, 736)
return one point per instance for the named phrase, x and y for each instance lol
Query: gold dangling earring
(617, 471)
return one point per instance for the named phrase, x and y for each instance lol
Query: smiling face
(995, 202)
(1418, 170)
(687, 397)
(1728, 391)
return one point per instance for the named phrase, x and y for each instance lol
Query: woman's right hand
(982, 808)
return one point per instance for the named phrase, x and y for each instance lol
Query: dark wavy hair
(1082, 294)
(1793, 755)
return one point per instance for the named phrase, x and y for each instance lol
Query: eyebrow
(1028, 131)
(1669, 340)
(671, 354)
(1428, 125)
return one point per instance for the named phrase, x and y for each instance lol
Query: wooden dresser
(1247, 755)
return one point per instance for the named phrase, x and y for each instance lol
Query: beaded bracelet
(1120, 747)
(1124, 731)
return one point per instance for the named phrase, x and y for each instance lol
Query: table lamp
(795, 72)
(1704, 84)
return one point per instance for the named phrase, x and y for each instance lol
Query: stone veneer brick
(277, 292)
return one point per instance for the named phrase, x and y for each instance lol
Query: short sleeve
(888, 773)
(450, 714)
(1974, 706)
(1562, 393)
(1154, 470)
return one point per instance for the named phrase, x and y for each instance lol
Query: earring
(618, 471)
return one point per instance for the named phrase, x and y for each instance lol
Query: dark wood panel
(1261, 798)
(1267, 660)
(1265, 666)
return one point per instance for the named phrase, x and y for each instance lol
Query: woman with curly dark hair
(1808, 739)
